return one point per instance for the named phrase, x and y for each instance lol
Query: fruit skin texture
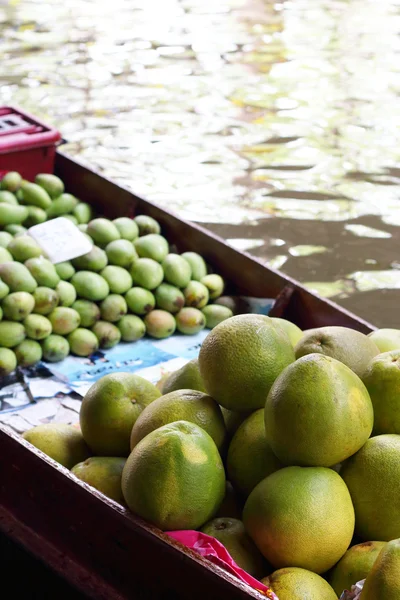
(250, 458)
(18, 305)
(127, 228)
(43, 271)
(174, 477)
(196, 294)
(215, 314)
(110, 409)
(386, 339)
(140, 301)
(147, 273)
(66, 293)
(182, 405)
(214, 284)
(132, 328)
(373, 478)
(17, 277)
(153, 246)
(55, 348)
(83, 342)
(187, 377)
(159, 324)
(103, 473)
(8, 362)
(241, 358)
(11, 334)
(146, 225)
(88, 311)
(232, 534)
(301, 517)
(354, 566)
(63, 443)
(295, 333)
(102, 231)
(190, 320)
(197, 265)
(37, 327)
(94, 260)
(107, 333)
(64, 320)
(295, 584)
(28, 353)
(90, 286)
(177, 270)
(382, 380)
(118, 279)
(350, 347)
(45, 299)
(318, 413)
(383, 581)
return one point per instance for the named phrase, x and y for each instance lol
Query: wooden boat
(103, 550)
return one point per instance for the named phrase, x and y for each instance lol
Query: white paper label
(60, 239)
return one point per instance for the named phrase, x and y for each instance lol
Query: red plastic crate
(26, 144)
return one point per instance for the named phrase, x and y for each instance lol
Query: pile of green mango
(129, 284)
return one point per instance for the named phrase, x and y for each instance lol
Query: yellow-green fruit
(5, 238)
(24, 247)
(153, 246)
(174, 477)
(295, 333)
(170, 298)
(51, 183)
(8, 362)
(383, 581)
(373, 478)
(241, 358)
(190, 320)
(66, 293)
(4, 290)
(88, 311)
(37, 327)
(82, 342)
(231, 505)
(386, 339)
(83, 213)
(250, 458)
(132, 328)
(5, 255)
(197, 265)
(43, 271)
(102, 231)
(146, 273)
(55, 348)
(354, 566)
(118, 279)
(232, 534)
(90, 286)
(35, 195)
(121, 253)
(94, 260)
(352, 348)
(63, 443)
(65, 270)
(293, 583)
(107, 334)
(215, 314)
(140, 301)
(61, 206)
(182, 405)
(64, 320)
(45, 299)
(214, 284)
(159, 324)
(7, 197)
(28, 353)
(318, 413)
(103, 473)
(71, 218)
(301, 517)
(12, 215)
(196, 294)
(113, 308)
(18, 305)
(146, 225)
(177, 270)
(35, 216)
(110, 409)
(127, 228)
(17, 277)
(11, 181)
(11, 334)
(186, 378)
(382, 380)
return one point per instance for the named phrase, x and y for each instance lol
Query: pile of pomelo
(282, 444)
(130, 283)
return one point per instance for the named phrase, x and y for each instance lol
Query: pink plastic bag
(216, 552)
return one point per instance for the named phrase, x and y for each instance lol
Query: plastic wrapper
(213, 550)
(354, 593)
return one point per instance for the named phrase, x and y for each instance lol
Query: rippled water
(275, 124)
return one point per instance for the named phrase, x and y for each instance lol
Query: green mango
(12, 215)
(5, 238)
(90, 286)
(17, 277)
(43, 271)
(11, 181)
(28, 353)
(55, 348)
(8, 362)
(36, 195)
(35, 217)
(5, 255)
(127, 228)
(51, 183)
(65, 270)
(24, 247)
(18, 305)
(11, 334)
(103, 231)
(61, 206)
(83, 213)
(197, 264)
(8, 198)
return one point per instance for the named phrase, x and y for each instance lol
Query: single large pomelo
(382, 380)
(354, 566)
(295, 333)
(232, 534)
(373, 478)
(103, 473)
(293, 583)
(241, 358)
(182, 405)
(386, 339)
(186, 378)
(301, 517)
(352, 348)
(63, 443)
(110, 409)
(250, 458)
(383, 580)
(318, 413)
(174, 477)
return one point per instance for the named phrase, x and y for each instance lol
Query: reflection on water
(276, 124)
